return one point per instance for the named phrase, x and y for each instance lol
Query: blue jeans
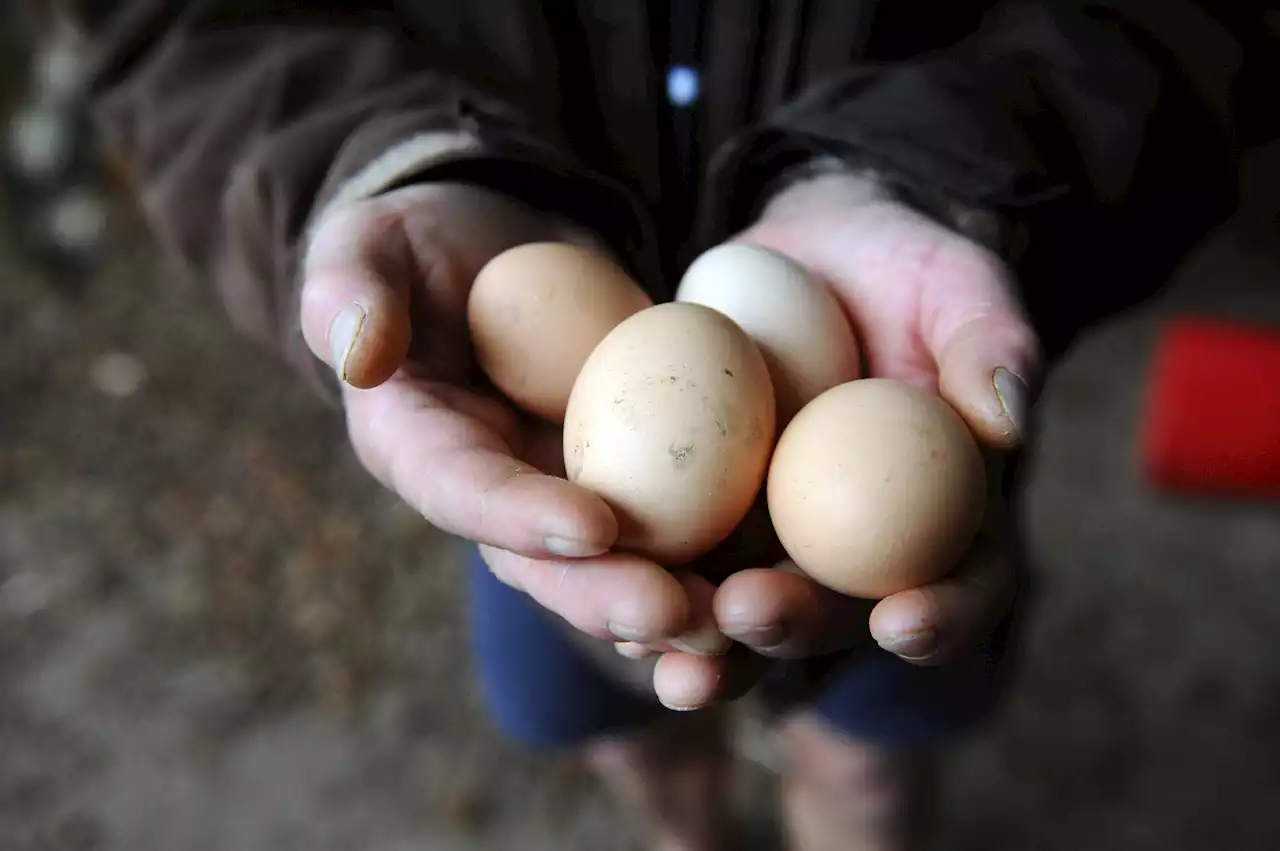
(543, 692)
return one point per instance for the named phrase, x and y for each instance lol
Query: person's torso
(648, 91)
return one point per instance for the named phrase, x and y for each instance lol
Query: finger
(987, 355)
(355, 300)
(986, 370)
(617, 596)
(462, 476)
(780, 613)
(934, 624)
(633, 650)
(684, 682)
(702, 637)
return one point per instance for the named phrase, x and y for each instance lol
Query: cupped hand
(384, 301)
(931, 308)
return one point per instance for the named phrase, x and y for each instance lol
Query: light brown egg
(875, 487)
(672, 421)
(535, 313)
(802, 331)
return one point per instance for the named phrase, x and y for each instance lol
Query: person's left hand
(929, 307)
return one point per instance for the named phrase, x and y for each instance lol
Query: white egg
(799, 327)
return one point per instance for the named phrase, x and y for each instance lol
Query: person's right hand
(384, 303)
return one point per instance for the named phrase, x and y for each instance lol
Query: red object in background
(1212, 418)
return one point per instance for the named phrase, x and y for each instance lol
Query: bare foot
(841, 795)
(672, 779)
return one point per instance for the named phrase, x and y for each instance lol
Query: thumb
(354, 305)
(986, 353)
(988, 369)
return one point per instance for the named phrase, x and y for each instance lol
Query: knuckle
(332, 237)
(489, 490)
(312, 297)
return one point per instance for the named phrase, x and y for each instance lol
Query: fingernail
(912, 645)
(1012, 393)
(675, 708)
(762, 637)
(343, 332)
(627, 632)
(632, 650)
(703, 641)
(569, 548)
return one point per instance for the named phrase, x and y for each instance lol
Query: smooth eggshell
(535, 313)
(672, 422)
(875, 487)
(802, 331)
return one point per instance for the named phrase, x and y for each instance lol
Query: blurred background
(217, 633)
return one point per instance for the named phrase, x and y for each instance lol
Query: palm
(905, 282)
(424, 421)
(930, 308)
(436, 239)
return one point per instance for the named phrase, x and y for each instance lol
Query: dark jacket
(1089, 142)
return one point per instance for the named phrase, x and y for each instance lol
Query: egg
(803, 333)
(875, 487)
(671, 421)
(537, 310)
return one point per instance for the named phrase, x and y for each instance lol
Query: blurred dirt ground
(217, 633)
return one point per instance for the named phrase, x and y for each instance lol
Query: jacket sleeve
(1099, 135)
(240, 123)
